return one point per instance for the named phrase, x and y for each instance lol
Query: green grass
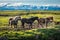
(21, 12)
(43, 34)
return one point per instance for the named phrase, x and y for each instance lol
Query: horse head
(18, 17)
(50, 19)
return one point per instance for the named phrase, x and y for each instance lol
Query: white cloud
(14, 4)
(50, 5)
(18, 4)
(2, 4)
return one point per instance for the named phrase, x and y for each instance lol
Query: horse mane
(34, 17)
(14, 18)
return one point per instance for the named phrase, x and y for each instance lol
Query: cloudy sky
(37, 2)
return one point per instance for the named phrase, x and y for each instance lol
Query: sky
(35, 2)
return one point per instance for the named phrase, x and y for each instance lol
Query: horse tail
(10, 21)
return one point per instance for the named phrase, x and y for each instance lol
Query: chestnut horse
(45, 21)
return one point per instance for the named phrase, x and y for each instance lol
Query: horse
(45, 21)
(41, 21)
(28, 21)
(14, 21)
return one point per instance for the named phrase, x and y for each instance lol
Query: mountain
(11, 6)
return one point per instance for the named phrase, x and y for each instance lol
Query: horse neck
(34, 19)
(16, 19)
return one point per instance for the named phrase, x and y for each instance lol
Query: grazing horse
(14, 21)
(47, 20)
(28, 21)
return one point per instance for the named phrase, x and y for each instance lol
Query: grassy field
(34, 34)
(4, 15)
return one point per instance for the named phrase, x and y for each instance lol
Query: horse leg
(30, 26)
(11, 25)
(15, 26)
(46, 25)
(23, 25)
(40, 24)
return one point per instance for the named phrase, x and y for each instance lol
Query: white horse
(13, 21)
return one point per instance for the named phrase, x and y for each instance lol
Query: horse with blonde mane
(13, 21)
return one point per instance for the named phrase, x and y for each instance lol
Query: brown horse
(45, 21)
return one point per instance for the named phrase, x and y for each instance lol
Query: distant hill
(9, 6)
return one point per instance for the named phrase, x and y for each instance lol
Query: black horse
(28, 21)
